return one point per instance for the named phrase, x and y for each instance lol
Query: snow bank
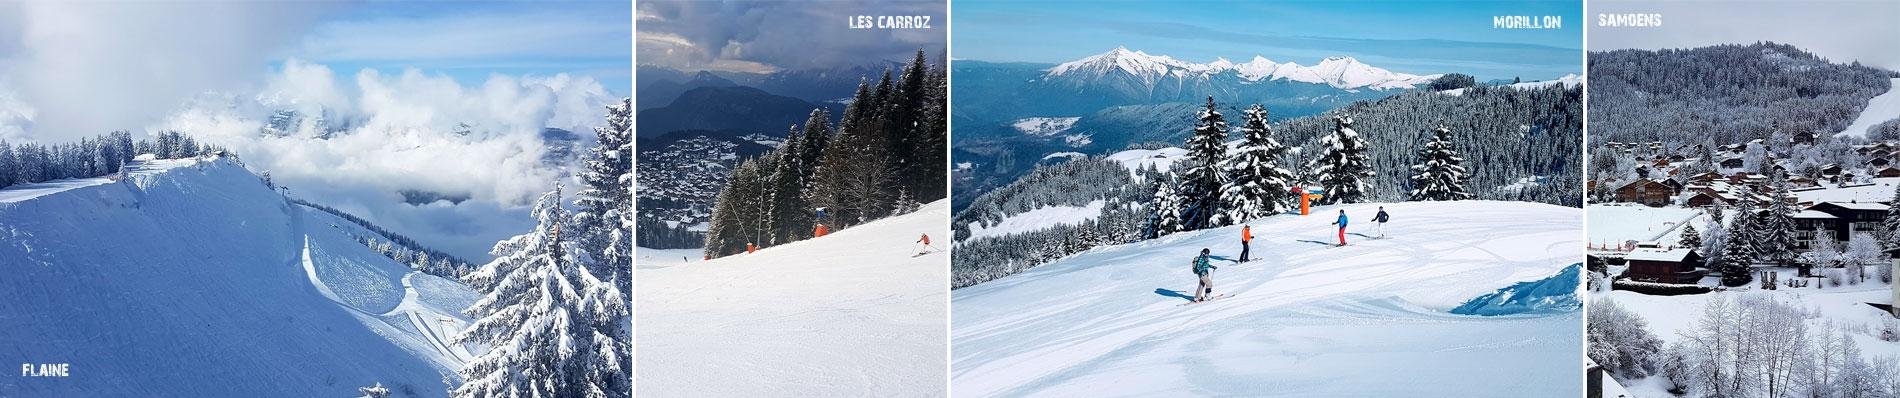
(1307, 319)
(190, 278)
(852, 313)
(1558, 293)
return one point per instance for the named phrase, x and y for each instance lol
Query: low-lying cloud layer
(358, 141)
(431, 100)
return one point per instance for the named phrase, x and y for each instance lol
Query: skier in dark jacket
(1201, 269)
(1381, 218)
(1342, 227)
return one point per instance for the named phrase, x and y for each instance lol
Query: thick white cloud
(406, 131)
(93, 67)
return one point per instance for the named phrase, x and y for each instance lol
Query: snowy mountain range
(1152, 70)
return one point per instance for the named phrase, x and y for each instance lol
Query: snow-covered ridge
(1339, 72)
(196, 265)
(1568, 81)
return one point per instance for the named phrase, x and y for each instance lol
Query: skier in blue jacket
(1342, 227)
(1202, 269)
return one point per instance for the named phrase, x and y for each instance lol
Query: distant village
(1837, 190)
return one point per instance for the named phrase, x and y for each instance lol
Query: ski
(1211, 298)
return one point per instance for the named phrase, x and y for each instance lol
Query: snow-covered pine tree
(1775, 236)
(1201, 185)
(1738, 250)
(553, 328)
(599, 203)
(734, 221)
(1343, 164)
(1889, 232)
(1165, 209)
(905, 111)
(1690, 238)
(9, 166)
(934, 138)
(854, 177)
(1256, 186)
(788, 212)
(1440, 173)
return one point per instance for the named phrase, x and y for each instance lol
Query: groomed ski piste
(1305, 318)
(853, 313)
(191, 277)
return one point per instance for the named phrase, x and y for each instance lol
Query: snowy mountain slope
(1308, 319)
(191, 277)
(851, 313)
(1881, 108)
(1150, 70)
(1570, 80)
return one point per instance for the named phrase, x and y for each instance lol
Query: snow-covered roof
(1879, 191)
(1860, 205)
(1659, 255)
(1812, 214)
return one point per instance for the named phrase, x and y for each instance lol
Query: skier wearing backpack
(1201, 269)
(1246, 236)
(1342, 227)
(1381, 218)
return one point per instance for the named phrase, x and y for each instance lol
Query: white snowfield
(192, 278)
(1306, 318)
(849, 314)
(1614, 224)
(1880, 108)
(1039, 219)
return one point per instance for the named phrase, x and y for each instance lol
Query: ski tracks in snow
(1098, 317)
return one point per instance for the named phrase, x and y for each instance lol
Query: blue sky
(471, 40)
(1413, 37)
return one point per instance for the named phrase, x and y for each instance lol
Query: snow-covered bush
(1835, 276)
(375, 391)
(1620, 340)
(1672, 365)
(1890, 330)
